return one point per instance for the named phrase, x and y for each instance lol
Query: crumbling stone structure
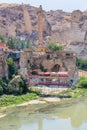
(27, 19)
(76, 16)
(50, 61)
(42, 59)
(3, 65)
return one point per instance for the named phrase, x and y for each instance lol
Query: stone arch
(56, 68)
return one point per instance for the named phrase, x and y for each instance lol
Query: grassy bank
(7, 100)
(73, 92)
(78, 90)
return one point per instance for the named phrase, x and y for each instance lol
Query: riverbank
(32, 98)
(6, 100)
(10, 101)
(42, 101)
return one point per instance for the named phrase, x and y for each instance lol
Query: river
(65, 116)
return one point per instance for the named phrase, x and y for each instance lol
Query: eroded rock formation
(68, 29)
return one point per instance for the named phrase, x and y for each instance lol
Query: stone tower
(27, 19)
(40, 26)
(76, 16)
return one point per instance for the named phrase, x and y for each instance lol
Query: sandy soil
(53, 99)
(50, 90)
(31, 103)
(2, 115)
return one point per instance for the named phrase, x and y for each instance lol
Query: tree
(81, 64)
(2, 38)
(17, 85)
(18, 44)
(13, 86)
(11, 43)
(1, 90)
(3, 86)
(82, 82)
(10, 89)
(23, 85)
(55, 47)
(12, 69)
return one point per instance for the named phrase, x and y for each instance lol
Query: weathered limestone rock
(58, 26)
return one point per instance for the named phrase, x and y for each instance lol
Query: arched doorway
(55, 68)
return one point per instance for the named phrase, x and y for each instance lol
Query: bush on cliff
(55, 47)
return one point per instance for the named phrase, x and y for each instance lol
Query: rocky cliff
(69, 29)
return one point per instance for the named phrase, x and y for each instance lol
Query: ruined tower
(40, 26)
(27, 20)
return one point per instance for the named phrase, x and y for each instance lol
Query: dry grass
(82, 73)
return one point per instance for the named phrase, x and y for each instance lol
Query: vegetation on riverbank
(16, 85)
(6, 100)
(73, 93)
(78, 90)
(15, 91)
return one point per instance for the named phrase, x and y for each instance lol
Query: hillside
(69, 29)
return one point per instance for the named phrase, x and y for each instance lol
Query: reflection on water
(54, 116)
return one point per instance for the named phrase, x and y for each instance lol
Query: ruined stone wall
(23, 60)
(3, 66)
(51, 62)
(59, 61)
(76, 16)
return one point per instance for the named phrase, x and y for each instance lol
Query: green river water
(65, 116)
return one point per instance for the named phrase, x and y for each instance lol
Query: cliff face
(69, 29)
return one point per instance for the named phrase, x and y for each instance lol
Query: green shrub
(1, 90)
(81, 64)
(55, 47)
(82, 82)
(17, 85)
(11, 89)
(23, 84)
(12, 69)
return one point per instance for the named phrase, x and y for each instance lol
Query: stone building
(76, 16)
(61, 61)
(25, 57)
(43, 59)
(3, 46)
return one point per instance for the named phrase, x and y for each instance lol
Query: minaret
(40, 26)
